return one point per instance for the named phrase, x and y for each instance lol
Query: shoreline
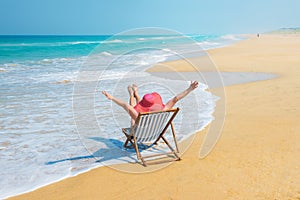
(208, 78)
(252, 100)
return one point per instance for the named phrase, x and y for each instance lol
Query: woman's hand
(108, 96)
(193, 85)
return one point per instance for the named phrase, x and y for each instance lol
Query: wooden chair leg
(129, 138)
(174, 137)
(164, 139)
(138, 154)
(126, 143)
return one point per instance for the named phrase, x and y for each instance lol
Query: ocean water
(54, 121)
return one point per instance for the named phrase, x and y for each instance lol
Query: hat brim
(155, 107)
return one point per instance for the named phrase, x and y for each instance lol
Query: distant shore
(257, 156)
(286, 31)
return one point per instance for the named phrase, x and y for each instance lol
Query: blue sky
(114, 16)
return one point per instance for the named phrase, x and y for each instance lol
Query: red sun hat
(150, 102)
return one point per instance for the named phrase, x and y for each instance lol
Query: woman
(150, 102)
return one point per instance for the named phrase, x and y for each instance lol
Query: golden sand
(257, 156)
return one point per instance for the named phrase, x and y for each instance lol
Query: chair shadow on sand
(114, 150)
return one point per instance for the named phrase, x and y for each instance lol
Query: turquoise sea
(47, 95)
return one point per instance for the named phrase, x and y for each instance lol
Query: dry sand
(257, 156)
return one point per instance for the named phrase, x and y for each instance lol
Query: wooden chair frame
(131, 138)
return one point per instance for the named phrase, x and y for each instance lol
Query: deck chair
(151, 127)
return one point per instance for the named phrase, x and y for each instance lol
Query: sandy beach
(257, 156)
